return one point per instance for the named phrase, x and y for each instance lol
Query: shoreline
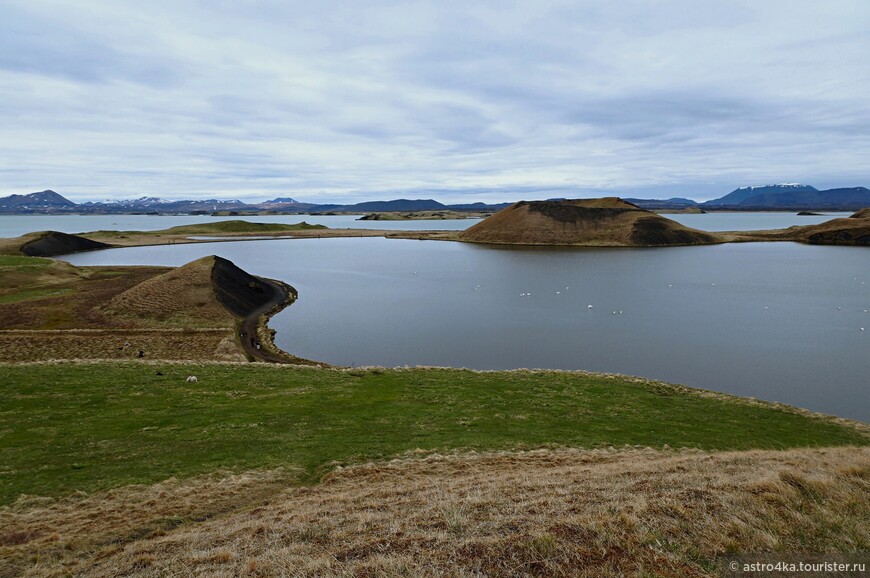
(257, 339)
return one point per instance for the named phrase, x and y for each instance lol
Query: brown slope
(210, 291)
(862, 214)
(853, 230)
(632, 512)
(605, 222)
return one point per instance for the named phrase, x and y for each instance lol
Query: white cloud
(341, 101)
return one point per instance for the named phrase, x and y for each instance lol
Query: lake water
(748, 221)
(16, 225)
(777, 321)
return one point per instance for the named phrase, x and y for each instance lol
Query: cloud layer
(344, 101)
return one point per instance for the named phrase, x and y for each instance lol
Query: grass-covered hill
(52, 310)
(48, 244)
(210, 292)
(119, 423)
(607, 222)
(54, 243)
(853, 230)
(216, 228)
(499, 473)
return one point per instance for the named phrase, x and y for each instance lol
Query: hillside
(210, 291)
(422, 472)
(52, 243)
(606, 222)
(853, 230)
(48, 244)
(51, 310)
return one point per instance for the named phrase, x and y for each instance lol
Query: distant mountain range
(675, 203)
(794, 196)
(50, 202)
(766, 197)
(783, 197)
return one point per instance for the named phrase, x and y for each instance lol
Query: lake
(16, 225)
(776, 321)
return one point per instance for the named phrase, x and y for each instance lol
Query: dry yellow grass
(182, 296)
(634, 512)
(18, 346)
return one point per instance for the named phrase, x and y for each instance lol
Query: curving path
(248, 329)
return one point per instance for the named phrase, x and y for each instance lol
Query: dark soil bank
(54, 243)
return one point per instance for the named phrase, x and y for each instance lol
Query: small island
(606, 222)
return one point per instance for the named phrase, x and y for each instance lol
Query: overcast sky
(459, 101)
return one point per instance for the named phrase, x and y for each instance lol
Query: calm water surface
(750, 221)
(777, 321)
(16, 225)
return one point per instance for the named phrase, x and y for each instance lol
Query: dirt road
(248, 330)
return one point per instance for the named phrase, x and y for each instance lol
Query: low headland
(208, 309)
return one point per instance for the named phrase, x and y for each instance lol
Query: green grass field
(22, 261)
(68, 427)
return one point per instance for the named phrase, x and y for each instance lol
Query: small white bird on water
(589, 307)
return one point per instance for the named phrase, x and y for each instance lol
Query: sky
(340, 101)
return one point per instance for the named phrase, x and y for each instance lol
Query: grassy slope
(557, 513)
(18, 272)
(70, 427)
(40, 293)
(222, 227)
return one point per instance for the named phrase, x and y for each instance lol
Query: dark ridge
(569, 213)
(55, 243)
(653, 230)
(239, 292)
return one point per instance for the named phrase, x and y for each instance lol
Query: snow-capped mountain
(793, 196)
